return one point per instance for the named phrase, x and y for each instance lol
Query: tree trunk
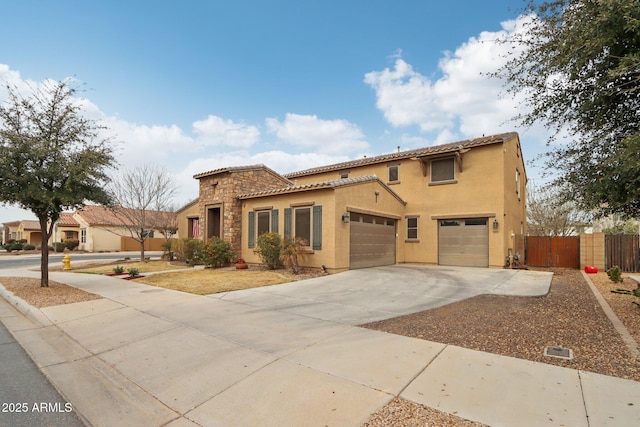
(141, 250)
(44, 258)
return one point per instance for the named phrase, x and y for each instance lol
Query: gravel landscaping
(569, 317)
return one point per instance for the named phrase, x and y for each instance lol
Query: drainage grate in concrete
(559, 352)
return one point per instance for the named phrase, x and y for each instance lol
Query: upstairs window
(442, 170)
(393, 173)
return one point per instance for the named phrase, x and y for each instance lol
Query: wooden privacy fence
(547, 251)
(150, 244)
(622, 250)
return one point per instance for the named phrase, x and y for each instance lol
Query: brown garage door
(372, 241)
(463, 242)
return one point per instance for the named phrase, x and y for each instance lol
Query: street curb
(25, 308)
(631, 344)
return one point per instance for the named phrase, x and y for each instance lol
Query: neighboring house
(98, 229)
(26, 229)
(457, 204)
(101, 230)
(10, 231)
(67, 228)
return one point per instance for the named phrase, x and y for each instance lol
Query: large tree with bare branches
(52, 158)
(143, 202)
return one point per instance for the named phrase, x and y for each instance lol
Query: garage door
(372, 241)
(463, 242)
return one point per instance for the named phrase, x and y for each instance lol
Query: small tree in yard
(51, 157)
(291, 250)
(549, 214)
(143, 202)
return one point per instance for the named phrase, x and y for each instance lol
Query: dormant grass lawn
(195, 281)
(212, 281)
(143, 267)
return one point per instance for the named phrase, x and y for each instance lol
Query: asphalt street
(20, 261)
(26, 396)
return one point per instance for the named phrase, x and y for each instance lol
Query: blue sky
(198, 85)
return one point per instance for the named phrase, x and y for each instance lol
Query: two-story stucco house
(457, 204)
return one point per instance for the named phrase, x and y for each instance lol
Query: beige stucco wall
(33, 237)
(515, 195)
(335, 233)
(324, 198)
(191, 211)
(484, 188)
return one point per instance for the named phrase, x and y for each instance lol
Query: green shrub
(269, 246)
(133, 272)
(615, 274)
(190, 251)
(168, 250)
(71, 244)
(16, 246)
(216, 253)
(29, 247)
(58, 246)
(118, 269)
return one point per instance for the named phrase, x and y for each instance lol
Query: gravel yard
(37, 296)
(569, 316)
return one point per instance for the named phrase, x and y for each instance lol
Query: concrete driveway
(360, 296)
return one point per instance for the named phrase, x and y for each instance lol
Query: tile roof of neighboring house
(100, 215)
(322, 185)
(29, 224)
(67, 220)
(420, 152)
(11, 223)
(243, 169)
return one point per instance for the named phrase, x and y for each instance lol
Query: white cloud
(215, 130)
(322, 136)
(463, 102)
(407, 97)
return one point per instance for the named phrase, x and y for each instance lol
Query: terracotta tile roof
(322, 185)
(100, 215)
(29, 224)
(67, 220)
(420, 152)
(243, 169)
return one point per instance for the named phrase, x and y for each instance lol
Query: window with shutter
(252, 229)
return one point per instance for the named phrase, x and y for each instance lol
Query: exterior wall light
(495, 224)
(345, 217)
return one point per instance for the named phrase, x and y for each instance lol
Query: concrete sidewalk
(151, 356)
